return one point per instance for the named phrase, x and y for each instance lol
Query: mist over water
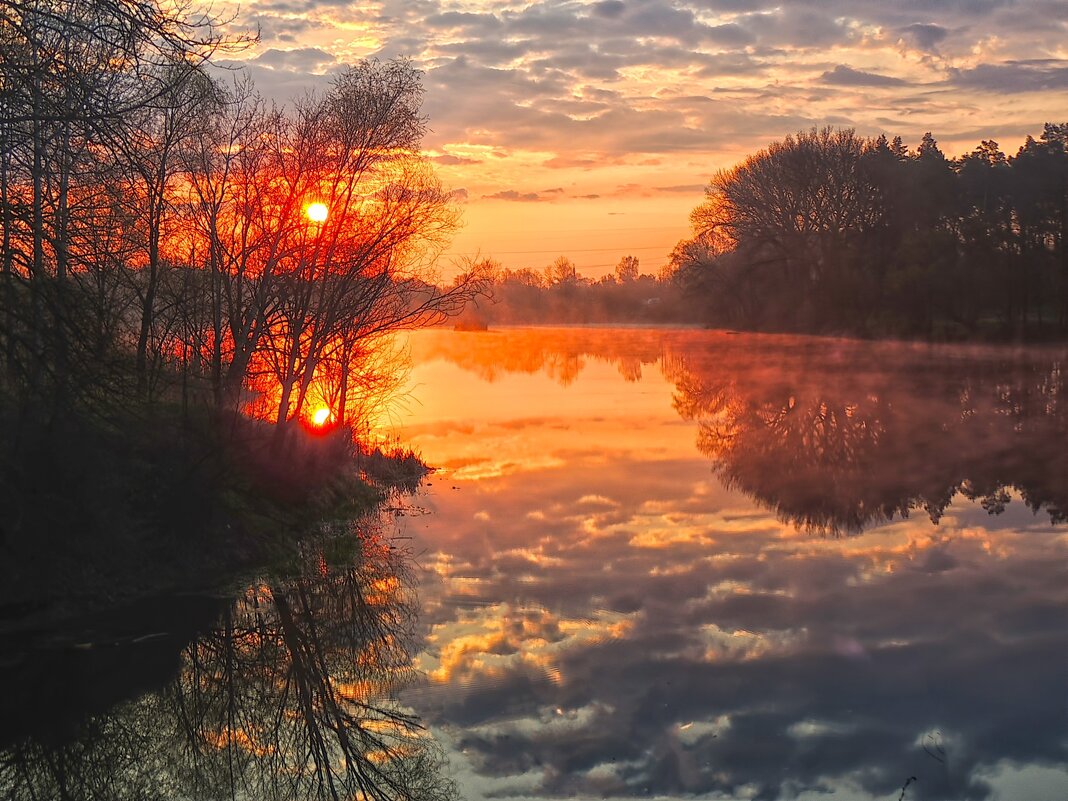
(652, 563)
(681, 563)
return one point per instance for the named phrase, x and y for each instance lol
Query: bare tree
(627, 269)
(72, 72)
(150, 150)
(303, 295)
(561, 271)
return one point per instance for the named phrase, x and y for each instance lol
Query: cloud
(801, 28)
(609, 9)
(566, 163)
(925, 36)
(847, 76)
(284, 30)
(686, 189)
(1038, 75)
(303, 59)
(644, 190)
(451, 160)
(512, 194)
(480, 24)
(590, 86)
(543, 196)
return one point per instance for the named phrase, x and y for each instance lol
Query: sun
(317, 212)
(321, 415)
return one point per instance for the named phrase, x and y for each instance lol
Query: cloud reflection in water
(611, 620)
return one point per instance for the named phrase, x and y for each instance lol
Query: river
(683, 564)
(653, 563)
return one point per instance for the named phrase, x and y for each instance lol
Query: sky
(589, 129)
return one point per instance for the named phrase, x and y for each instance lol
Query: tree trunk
(148, 307)
(216, 317)
(343, 399)
(8, 264)
(37, 279)
(62, 256)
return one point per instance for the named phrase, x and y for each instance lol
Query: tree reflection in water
(840, 438)
(633, 630)
(835, 435)
(289, 695)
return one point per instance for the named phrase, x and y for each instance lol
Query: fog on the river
(683, 563)
(652, 563)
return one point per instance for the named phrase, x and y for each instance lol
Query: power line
(580, 267)
(561, 250)
(614, 230)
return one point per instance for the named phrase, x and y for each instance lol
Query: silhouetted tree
(72, 75)
(828, 231)
(627, 269)
(561, 271)
(802, 208)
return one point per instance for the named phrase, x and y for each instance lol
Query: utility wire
(565, 251)
(615, 230)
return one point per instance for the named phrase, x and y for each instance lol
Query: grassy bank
(97, 512)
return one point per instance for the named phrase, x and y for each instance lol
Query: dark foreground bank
(97, 513)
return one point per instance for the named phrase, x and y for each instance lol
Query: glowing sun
(321, 415)
(317, 213)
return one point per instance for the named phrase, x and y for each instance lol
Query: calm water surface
(678, 564)
(667, 564)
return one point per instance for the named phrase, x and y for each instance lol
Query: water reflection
(843, 437)
(834, 435)
(610, 620)
(288, 694)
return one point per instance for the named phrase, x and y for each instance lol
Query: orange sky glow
(589, 129)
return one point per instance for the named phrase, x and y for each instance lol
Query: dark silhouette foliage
(827, 231)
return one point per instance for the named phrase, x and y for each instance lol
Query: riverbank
(98, 513)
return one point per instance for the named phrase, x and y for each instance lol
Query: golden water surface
(699, 564)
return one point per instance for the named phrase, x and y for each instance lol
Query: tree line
(559, 294)
(157, 245)
(828, 231)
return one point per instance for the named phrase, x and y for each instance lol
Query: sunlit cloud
(612, 92)
(498, 639)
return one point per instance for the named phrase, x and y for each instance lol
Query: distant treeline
(827, 231)
(558, 294)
